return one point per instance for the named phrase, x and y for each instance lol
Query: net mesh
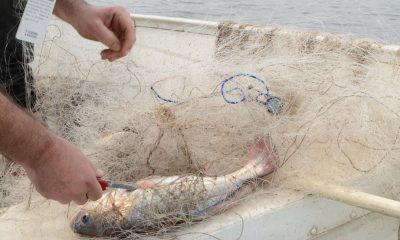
(161, 111)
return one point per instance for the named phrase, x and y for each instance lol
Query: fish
(169, 201)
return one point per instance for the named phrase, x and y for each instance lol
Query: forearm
(22, 138)
(67, 9)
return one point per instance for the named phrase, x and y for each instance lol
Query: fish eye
(85, 218)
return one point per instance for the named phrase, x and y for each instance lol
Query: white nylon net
(160, 111)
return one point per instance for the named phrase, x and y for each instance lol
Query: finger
(128, 36)
(64, 201)
(61, 199)
(107, 37)
(98, 172)
(81, 199)
(108, 54)
(94, 195)
(55, 197)
(94, 192)
(111, 56)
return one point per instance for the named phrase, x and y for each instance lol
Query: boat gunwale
(389, 53)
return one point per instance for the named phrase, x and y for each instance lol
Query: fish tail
(262, 158)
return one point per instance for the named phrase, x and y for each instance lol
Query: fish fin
(262, 157)
(149, 182)
(145, 184)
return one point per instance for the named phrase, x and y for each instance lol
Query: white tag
(34, 21)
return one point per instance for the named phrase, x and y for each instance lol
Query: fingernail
(116, 46)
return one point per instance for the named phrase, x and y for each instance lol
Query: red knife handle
(103, 184)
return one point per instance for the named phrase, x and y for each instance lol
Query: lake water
(377, 19)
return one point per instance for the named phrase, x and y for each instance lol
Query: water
(377, 19)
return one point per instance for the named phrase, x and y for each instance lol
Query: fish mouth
(74, 219)
(76, 216)
(93, 209)
(81, 228)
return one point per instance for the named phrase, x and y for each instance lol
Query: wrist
(70, 10)
(45, 144)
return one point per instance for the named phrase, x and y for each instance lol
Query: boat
(302, 209)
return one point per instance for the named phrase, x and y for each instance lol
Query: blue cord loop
(242, 95)
(272, 103)
(162, 98)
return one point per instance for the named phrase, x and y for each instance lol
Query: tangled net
(163, 112)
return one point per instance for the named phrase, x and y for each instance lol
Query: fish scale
(160, 201)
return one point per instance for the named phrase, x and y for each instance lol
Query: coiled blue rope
(242, 97)
(273, 104)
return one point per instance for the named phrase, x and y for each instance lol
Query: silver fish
(168, 201)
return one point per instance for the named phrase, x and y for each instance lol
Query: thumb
(98, 172)
(107, 37)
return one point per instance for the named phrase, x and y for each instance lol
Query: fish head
(103, 217)
(86, 223)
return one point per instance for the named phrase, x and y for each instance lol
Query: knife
(117, 185)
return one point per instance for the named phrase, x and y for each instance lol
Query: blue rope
(242, 97)
(162, 98)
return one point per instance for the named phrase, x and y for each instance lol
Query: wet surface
(375, 19)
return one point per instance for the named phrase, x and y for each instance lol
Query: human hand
(111, 26)
(64, 174)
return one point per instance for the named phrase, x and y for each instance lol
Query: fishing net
(196, 107)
